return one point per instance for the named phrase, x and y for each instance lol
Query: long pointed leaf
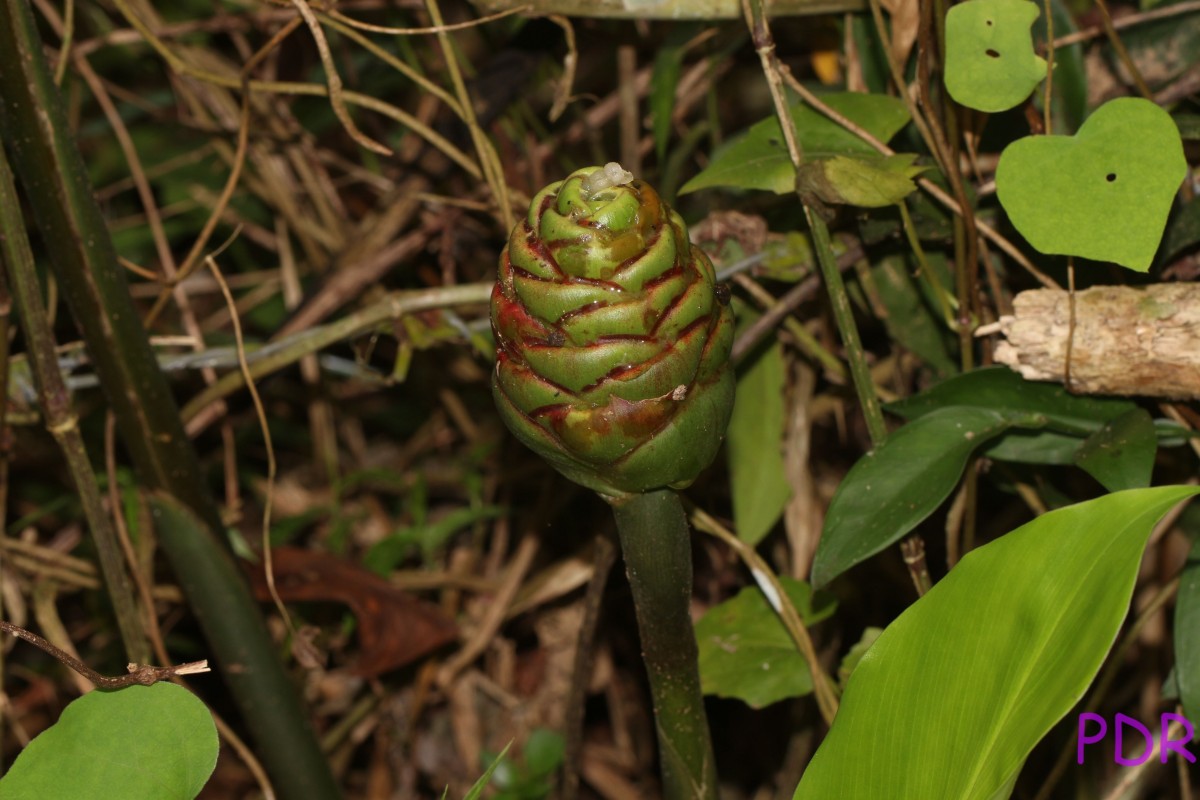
(891, 489)
(957, 691)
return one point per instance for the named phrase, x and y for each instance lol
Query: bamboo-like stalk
(656, 544)
(17, 260)
(34, 126)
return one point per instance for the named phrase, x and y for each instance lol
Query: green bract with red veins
(612, 344)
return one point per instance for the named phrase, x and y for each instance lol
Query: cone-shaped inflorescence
(612, 342)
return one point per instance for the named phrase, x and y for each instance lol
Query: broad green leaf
(1001, 389)
(1121, 454)
(990, 63)
(956, 692)
(759, 485)
(758, 159)
(1103, 193)
(746, 653)
(138, 742)
(894, 487)
(864, 181)
(1187, 635)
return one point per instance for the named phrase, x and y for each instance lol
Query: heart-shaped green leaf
(952, 697)
(1103, 193)
(990, 63)
(758, 159)
(140, 741)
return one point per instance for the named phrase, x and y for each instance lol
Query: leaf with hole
(997, 652)
(140, 741)
(990, 63)
(1103, 193)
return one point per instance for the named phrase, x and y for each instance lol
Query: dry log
(1127, 341)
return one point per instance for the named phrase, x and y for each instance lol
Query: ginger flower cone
(612, 341)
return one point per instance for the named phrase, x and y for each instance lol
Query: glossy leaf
(1103, 193)
(757, 477)
(997, 652)
(1121, 454)
(893, 488)
(136, 742)
(990, 63)
(758, 159)
(746, 653)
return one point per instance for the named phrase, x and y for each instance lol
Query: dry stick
(455, 26)
(1190, 7)
(335, 20)
(285, 353)
(139, 674)
(1046, 121)
(59, 416)
(488, 158)
(603, 557)
(334, 81)
(966, 234)
(298, 88)
(1122, 53)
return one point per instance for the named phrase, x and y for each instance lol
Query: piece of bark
(1127, 341)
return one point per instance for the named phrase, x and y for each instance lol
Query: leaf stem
(656, 543)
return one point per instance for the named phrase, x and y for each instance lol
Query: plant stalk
(16, 258)
(34, 126)
(656, 543)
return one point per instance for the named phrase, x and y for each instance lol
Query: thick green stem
(34, 127)
(656, 543)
